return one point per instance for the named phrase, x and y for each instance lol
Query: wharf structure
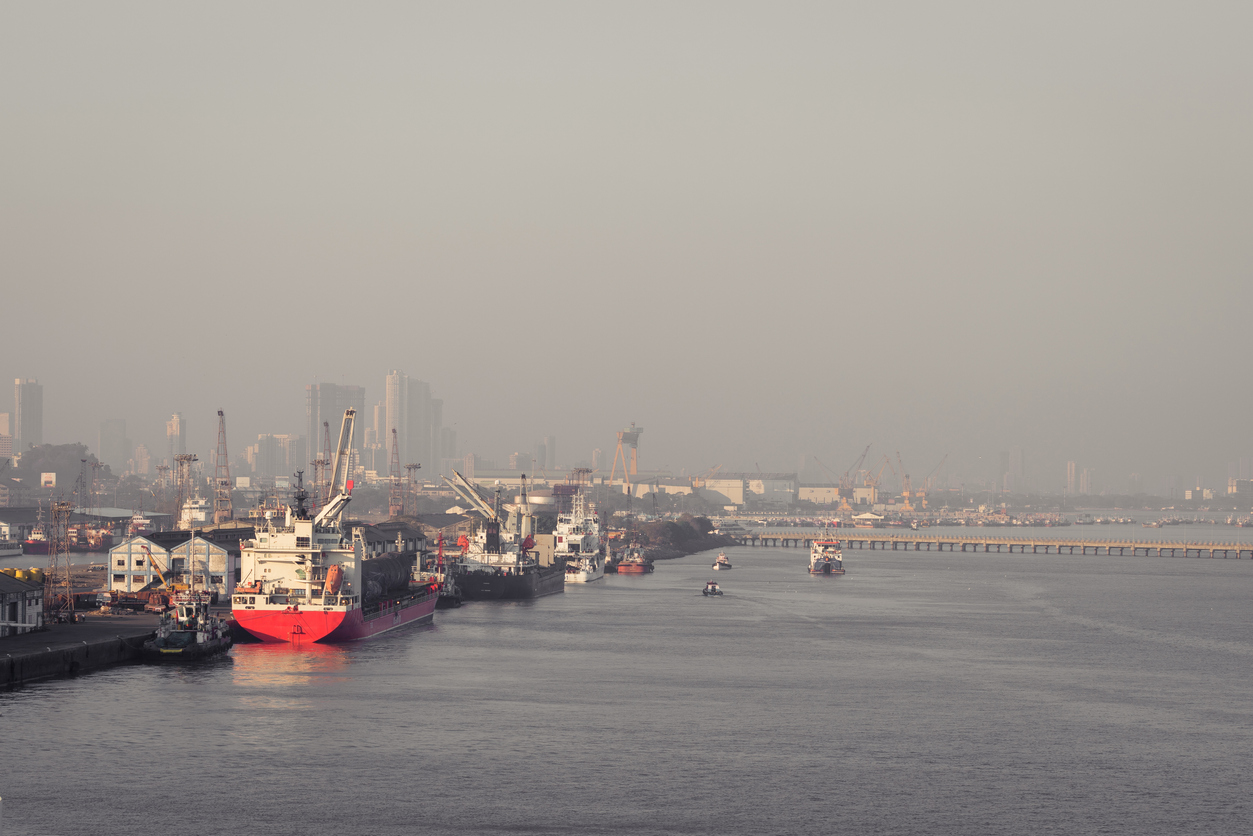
(917, 542)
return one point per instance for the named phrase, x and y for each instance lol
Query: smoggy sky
(762, 231)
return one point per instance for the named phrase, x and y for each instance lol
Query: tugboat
(721, 562)
(711, 588)
(449, 592)
(578, 542)
(188, 631)
(825, 558)
(634, 562)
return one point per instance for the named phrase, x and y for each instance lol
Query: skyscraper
(114, 447)
(28, 400)
(176, 436)
(1070, 478)
(327, 402)
(417, 419)
(550, 451)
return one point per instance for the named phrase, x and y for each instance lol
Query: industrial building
(21, 605)
(139, 561)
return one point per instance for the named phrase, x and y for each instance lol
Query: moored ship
(578, 541)
(499, 562)
(633, 562)
(826, 558)
(308, 579)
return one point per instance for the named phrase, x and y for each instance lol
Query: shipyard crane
(340, 484)
(699, 481)
(846, 481)
(906, 493)
(929, 482)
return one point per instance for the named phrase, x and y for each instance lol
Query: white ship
(578, 542)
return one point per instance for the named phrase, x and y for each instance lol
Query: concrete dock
(64, 649)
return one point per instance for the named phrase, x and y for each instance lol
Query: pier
(66, 649)
(1000, 543)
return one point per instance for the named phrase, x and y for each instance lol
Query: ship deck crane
(340, 484)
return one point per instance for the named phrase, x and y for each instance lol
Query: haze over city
(764, 232)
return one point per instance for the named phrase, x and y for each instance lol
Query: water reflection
(285, 665)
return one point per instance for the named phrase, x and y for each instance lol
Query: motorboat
(711, 588)
(722, 562)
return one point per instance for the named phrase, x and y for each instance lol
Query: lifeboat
(334, 577)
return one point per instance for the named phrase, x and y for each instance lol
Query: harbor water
(920, 693)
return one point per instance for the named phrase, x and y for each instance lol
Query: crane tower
(222, 510)
(631, 437)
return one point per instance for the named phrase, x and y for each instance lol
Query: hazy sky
(759, 230)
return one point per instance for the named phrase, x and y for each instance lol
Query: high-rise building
(113, 447)
(1070, 478)
(176, 436)
(550, 452)
(417, 419)
(277, 456)
(141, 464)
(28, 402)
(6, 424)
(1087, 481)
(596, 457)
(327, 402)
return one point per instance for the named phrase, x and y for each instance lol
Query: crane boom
(340, 490)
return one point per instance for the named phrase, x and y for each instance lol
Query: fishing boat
(711, 588)
(188, 631)
(308, 579)
(826, 558)
(721, 562)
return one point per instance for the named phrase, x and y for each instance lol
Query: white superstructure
(578, 542)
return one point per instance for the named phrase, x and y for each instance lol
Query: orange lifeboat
(334, 577)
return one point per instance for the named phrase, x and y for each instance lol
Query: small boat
(721, 562)
(188, 631)
(825, 558)
(711, 588)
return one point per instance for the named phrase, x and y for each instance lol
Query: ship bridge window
(302, 542)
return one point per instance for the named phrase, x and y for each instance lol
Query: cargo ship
(308, 579)
(499, 562)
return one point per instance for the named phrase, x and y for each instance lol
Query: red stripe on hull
(333, 626)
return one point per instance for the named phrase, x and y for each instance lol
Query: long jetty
(917, 542)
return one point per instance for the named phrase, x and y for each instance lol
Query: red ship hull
(296, 624)
(634, 568)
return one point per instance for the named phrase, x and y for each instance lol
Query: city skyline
(766, 234)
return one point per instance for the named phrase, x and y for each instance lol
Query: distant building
(327, 402)
(141, 464)
(1070, 478)
(113, 447)
(6, 423)
(550, 452)
(819, 494)
(28, 400)
(175, 436)
(417, 418)
(596, 457)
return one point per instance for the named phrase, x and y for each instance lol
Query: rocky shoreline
(702, 543)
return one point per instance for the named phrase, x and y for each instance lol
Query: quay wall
(46, 654)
